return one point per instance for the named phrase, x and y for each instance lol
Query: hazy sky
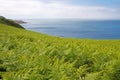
(83, 9)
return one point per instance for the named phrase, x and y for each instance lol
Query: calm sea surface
(76, 28)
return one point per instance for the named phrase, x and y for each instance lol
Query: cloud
(54, 9)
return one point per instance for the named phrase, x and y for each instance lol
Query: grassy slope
(26, 55)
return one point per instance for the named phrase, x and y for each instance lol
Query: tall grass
(26, 55)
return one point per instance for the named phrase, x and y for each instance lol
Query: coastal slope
(27, 55)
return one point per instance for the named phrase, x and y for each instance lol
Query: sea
(75, 28)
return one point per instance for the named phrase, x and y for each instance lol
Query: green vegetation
(3, 20)
(26, 55)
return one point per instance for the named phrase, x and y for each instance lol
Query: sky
(80, 9)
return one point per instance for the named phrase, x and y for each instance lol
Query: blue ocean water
(107, 29)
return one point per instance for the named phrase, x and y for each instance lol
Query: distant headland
(15, 23)
(20, 21)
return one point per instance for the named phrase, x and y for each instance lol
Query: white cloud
(54, 9)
